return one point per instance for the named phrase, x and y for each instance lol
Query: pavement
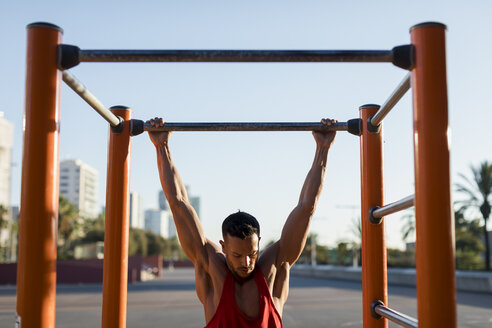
(171, 301)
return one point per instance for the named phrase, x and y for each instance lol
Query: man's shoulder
(268, 258)
(215, 259)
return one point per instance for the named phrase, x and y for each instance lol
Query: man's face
(241, 254)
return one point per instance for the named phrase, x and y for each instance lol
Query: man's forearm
(314, 180)
(171, 182)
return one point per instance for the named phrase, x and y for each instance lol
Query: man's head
(241, 233)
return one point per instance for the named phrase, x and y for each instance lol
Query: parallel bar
(397, 317)
(248, 126)
(89, 98)
(394, 207)
(235, 55)
(395, 97)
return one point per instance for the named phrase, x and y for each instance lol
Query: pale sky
(261, 173)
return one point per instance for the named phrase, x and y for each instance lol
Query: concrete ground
(171, 302)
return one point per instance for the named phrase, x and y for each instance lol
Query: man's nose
(246, 261)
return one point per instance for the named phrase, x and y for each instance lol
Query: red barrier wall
(89, 271)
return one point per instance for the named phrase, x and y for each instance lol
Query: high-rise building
(136, 211)
(163, 204)
(6, 138)
(79, 184)
(157, 221)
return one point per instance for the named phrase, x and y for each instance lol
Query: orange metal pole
(115, 270)
(36, 268)
(374, 281)
(436, 285)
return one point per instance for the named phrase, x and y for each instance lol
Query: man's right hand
(158, 137)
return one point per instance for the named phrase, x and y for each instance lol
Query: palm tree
(479, 192)
(67, 221)
(3, 217)
(408, 227)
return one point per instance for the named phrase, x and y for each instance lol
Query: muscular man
(237, 287)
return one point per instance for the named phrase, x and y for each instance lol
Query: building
(157, 221)
(6, 141)
(136, 211)
(79, 184)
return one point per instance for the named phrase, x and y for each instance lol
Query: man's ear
(221, 242)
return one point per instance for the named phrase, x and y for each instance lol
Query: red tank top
(228, 314)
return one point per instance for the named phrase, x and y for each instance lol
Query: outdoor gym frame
(47, 57)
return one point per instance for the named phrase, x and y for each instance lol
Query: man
(236, 288)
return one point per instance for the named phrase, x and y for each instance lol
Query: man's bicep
(190, 232)
(294, 235)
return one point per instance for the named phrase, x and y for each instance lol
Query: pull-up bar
(353, 126)
(70, 56)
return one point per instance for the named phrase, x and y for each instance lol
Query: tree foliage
(478, 193)
(468, 243)
(3, 217)
(68, 224)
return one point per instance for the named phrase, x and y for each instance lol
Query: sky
(258, 172)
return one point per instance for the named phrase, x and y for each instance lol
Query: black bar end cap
(373, 219)
(373, 309)
(404, 56)
(68, 56)
(373, 128)
(136, 127)
(355, 126)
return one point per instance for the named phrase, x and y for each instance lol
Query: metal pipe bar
(235, 55)
(395, 97)
(396, 317)
(243, 126)
(89, 98)
(394, 207)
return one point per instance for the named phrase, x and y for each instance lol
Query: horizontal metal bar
(397, 317)
(394, 207)
(89, 98)
(235, 55)
(247, 126)
(395, 97)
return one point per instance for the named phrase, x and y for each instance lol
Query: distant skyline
(260, 173)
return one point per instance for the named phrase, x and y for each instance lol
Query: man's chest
(247, 298)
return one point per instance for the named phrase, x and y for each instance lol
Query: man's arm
(188, 226)
(296, 227)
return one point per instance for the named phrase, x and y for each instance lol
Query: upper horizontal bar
(235, 55)
(248, 126)
(89, 98)
(395, 316)
(395, 97)
(69, 56)
(394, 207)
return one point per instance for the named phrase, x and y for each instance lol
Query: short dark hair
(241, 225)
